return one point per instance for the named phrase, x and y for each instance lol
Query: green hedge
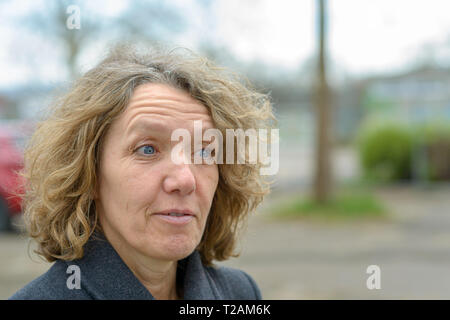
(434, 140)
(390, 151)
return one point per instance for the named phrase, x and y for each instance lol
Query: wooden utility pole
(322, 181)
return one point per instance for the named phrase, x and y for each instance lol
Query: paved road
(307, 260)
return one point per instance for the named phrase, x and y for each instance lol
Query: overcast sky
(364, 36)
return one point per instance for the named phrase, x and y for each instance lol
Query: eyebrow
(147, 124)
(156, 125)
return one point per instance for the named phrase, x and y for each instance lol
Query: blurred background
(361, 92)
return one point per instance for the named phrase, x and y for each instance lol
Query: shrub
(433, 139)
(385, 151)
(390, 151)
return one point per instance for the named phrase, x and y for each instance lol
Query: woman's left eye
(204, 153)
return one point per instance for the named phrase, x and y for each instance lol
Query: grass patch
(344, 206)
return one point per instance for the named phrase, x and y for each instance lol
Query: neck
(158, 276)
(159, 279)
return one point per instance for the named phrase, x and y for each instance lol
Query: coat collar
(105, 276)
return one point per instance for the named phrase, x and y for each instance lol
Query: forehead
(163, 103)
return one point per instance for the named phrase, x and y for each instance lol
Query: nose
(180, 180)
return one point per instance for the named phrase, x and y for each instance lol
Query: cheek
(209, 180)
(141, 188)
(127, 191)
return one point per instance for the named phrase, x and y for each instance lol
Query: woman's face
(138, 179)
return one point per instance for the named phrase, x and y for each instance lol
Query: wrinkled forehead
(163, 106)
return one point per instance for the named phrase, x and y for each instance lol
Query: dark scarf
(104, 275)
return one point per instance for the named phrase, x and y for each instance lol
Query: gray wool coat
(104, 275)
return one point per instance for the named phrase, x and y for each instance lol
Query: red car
(11, 161)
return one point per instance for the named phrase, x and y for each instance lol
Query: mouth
(176, 213)
(175, 216)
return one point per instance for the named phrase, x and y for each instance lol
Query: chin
(177, 249)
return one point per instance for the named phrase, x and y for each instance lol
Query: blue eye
(148, 150)
(205, 153)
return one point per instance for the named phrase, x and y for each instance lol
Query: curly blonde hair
(61, 159)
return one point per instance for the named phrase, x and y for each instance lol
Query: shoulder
(52, 285)
(235, 283)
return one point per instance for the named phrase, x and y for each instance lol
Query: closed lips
(175, 213)
(181, 217)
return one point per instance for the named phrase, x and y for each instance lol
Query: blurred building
(8, 109)
(416, 96)
(25, 102)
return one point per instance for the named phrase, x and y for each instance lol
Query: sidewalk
(305, 260)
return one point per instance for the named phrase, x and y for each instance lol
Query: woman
(106, 201)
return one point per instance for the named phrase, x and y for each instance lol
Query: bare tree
(50, 22)
(145, 21)
(322, 183)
